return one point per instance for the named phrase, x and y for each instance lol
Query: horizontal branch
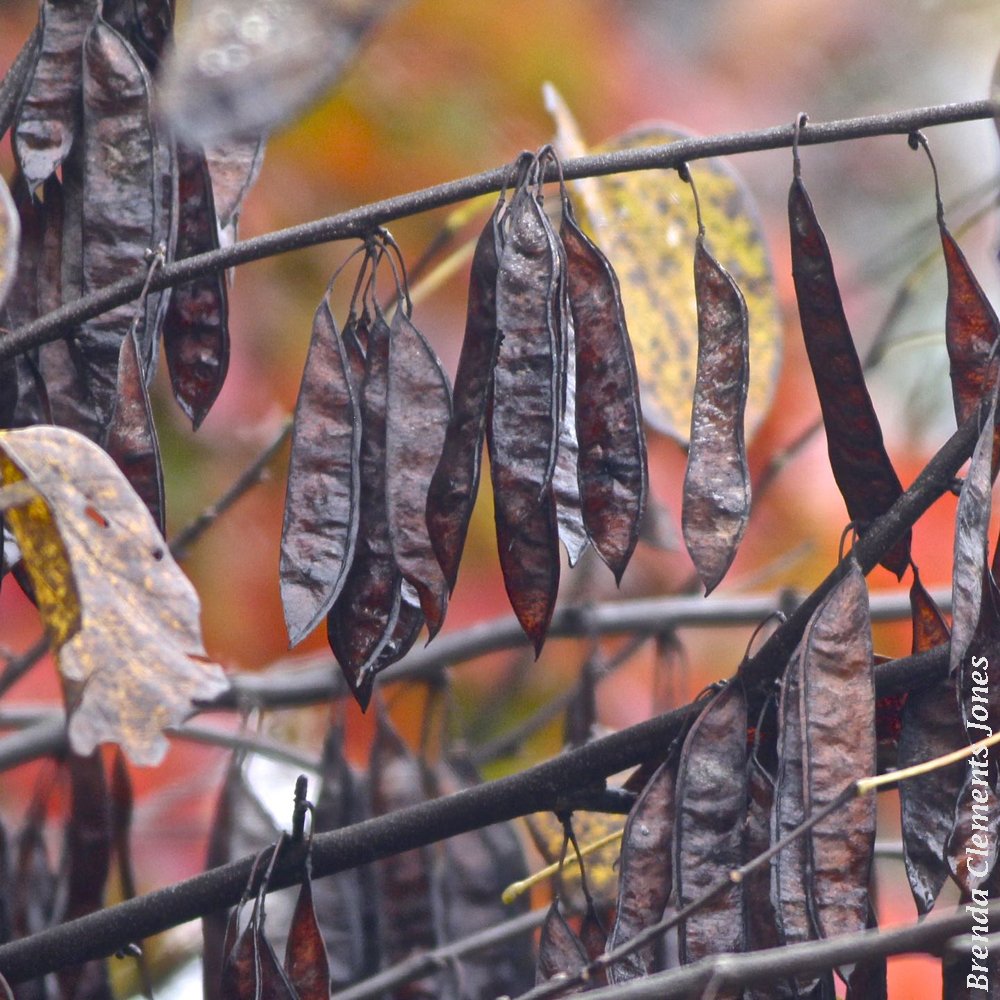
(358, 222)
(758, 968)
(546, 786)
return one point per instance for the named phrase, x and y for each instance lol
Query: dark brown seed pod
(408, 908)
(524, 412)
(565, 477)
(341, 900)
(972, 844)
(306, 963)
(789, 889)
(646, 872)
(716, 504)
(87, 864)
(930, 727)
(711, 804)
(48, 119)
(364, 615)
(131, 438)
(16, 80)
(418, 410)
(860, 463)
(529, 559)
(321, 519)
(610, 436)
(971, 327)
(234, 165)
(972, 521)
(837, 705)
(455, 482)
(560, 950)
(196, 323)
(120, 214)
(476, 868)
(761, 922)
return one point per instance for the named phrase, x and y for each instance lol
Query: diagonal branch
(358, 222)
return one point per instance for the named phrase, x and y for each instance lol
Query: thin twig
(20, 665)
(249, 478)
(358, 222)
(424, 963)
(758, 968)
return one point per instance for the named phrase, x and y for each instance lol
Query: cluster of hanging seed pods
(385, 461)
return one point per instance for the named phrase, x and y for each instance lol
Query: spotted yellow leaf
(600, 866)
(122, 617)
(645, 222)
(10, 233)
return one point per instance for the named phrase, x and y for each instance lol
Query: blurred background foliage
(446, 88)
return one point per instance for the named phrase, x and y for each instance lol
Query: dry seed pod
(120, 176)
(322, 504)
(837, 706)
(524, 417)
(48, 119)
(560, 950)
(646, 873)
(364, 615)
(418, 410)
(716, 504)
(858, 458)
(711, 804)
(610, 437)
(455, 482)
(930, 727)
(196, 322)
(971, 326)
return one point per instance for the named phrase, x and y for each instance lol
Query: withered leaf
(610, 437)
(122, 616)
(860, 463)
(837, 699)
(455, 482)
(645, 876)
(10, 236)
(930, 727)
(321, 505)
(120, 199)
(716, 504)
(131, 435)
(711, 804)
(196, 321)
(48, 119)
(418, 410)
(240, 68)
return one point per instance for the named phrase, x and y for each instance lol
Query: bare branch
(360, 221)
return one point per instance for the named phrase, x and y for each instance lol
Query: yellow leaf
(645, 222)
(10, 233)
(600, 867)
(123, 618)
